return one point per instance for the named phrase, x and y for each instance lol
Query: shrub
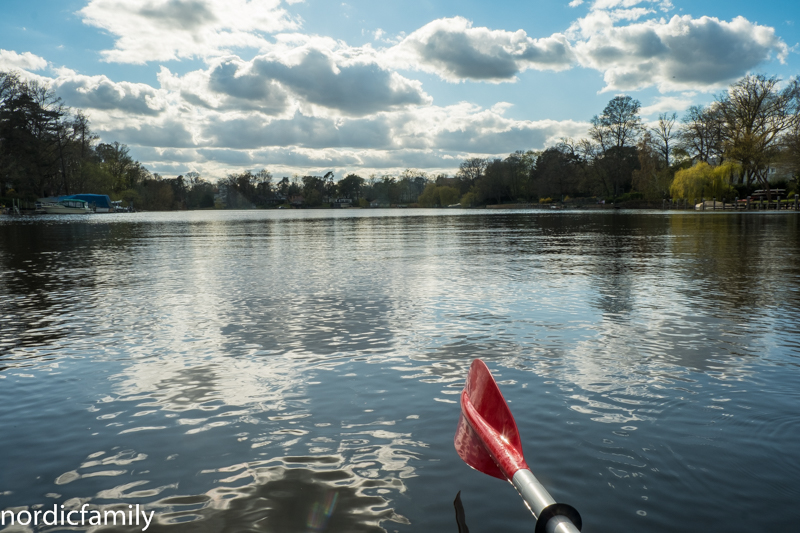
(469, 200)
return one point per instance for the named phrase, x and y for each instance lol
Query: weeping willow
(704, 181)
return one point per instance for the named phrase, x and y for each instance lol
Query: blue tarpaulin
(101, 201)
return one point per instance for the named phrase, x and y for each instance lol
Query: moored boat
(67, 207)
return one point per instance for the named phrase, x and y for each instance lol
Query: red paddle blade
(471, 450)
(487, 438)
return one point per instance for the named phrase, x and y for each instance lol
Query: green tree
(385, 189)
(703, 181)
(47, 150)
(30, 121)
(556, 172)
(791, 157)
(438, 196)
(117, 162)
(469, 199)
(492, 186)
(516, 170)
(350, 186)
(410, 185)
(156, 194)
(314, 190)
(201, 192)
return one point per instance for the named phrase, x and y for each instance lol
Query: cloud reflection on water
(638, 343)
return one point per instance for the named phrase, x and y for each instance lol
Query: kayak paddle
(487, 439)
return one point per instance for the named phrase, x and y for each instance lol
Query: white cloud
(515, 135)
(354, 88)
(305, 102)
(173, 155)
(162, 30)
(576, 3)
(680, 54)
(98, 92)
(253, 131)
(666, 104)
(170, 134)
(246, 89)
(427, 137)
(317, 79)
(11, 60)
(615, 38)
(468, 128)
(455, 51)
(165, 133)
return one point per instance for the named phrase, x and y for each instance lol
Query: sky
(311, 86)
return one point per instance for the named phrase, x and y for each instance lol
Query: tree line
(727, 148)
(736, 144)
(48, 149)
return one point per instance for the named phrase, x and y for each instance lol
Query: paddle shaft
(538, 499)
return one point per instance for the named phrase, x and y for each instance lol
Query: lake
(300, 371)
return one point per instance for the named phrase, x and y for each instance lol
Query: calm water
(299, 371)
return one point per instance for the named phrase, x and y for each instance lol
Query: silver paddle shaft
(538, 499)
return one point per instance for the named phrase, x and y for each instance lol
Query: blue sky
(309, 86)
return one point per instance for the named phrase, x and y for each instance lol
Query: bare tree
(701, 135)
(756, 113)
(472, 169)
(662, 134)
(615, 132)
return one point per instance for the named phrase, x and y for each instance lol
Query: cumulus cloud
(174, 155)
(454, 50)
(355, 89)
(162, 30)
(429, 137)
(166, 133)
(467, 128)
(308, 77)
(308, 102)
(311, 132)
(666, 104)
(462, 128)
(515, 135)
(682, 53)
(615, 38)
(247, 89)
(11, 60)
(311, 161)
(98, 92)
